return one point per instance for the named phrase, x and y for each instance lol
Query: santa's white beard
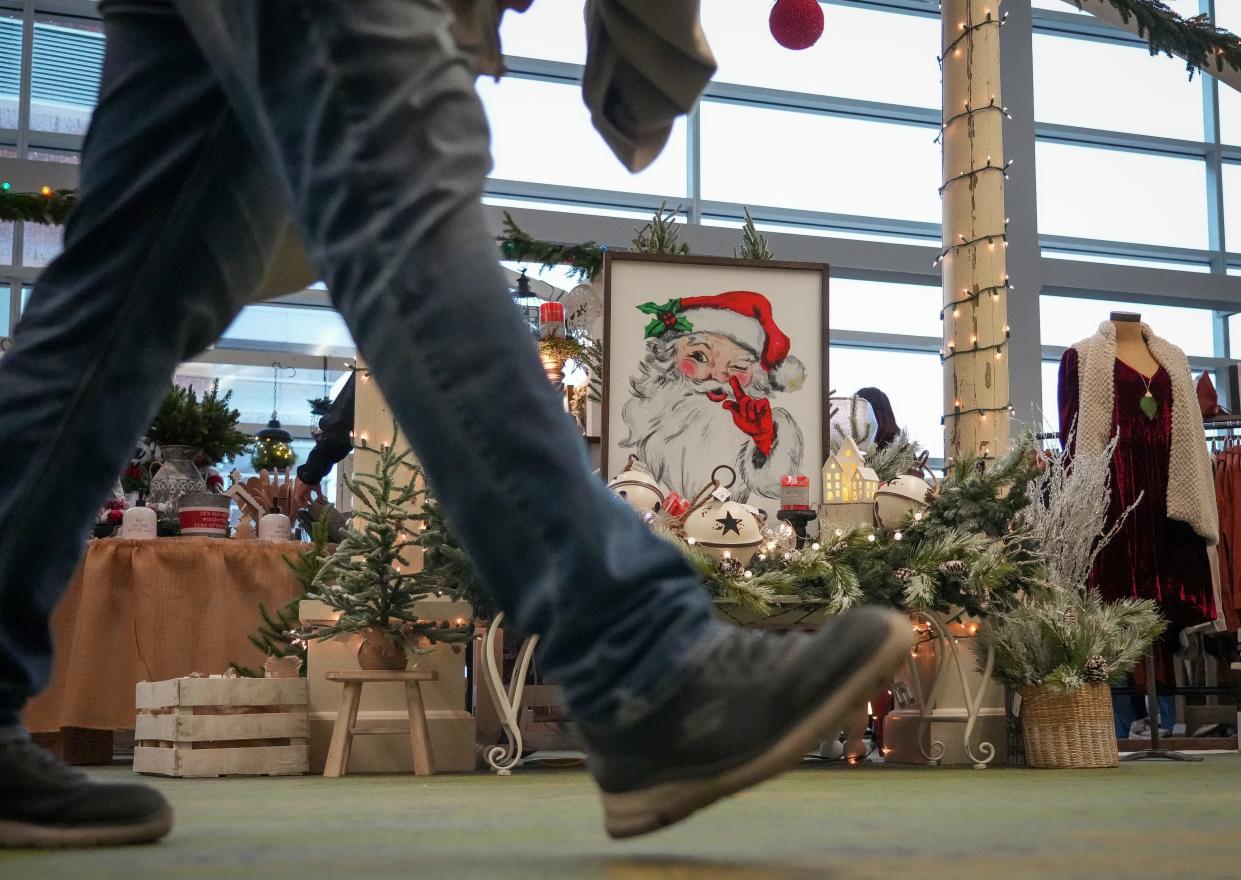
(682, 436)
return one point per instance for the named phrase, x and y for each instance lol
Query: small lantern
(272, 451)
(551, 320)
(638, 488)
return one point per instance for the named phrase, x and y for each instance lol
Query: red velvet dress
(1152, 557)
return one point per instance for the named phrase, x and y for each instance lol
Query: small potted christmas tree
(367, 579)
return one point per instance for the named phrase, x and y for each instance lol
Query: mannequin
(1126, 382)
(1130, 346)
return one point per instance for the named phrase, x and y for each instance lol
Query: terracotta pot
(377, 650)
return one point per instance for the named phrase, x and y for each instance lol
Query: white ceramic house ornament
(846, 478)
(849, 487)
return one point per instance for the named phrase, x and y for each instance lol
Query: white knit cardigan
(1191, 484)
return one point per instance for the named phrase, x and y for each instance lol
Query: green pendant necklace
(1148, 404)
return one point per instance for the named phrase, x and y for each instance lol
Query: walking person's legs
(369, 115)
(171, 234)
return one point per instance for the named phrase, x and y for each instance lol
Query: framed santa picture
(711, 361)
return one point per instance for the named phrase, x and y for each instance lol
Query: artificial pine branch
(753, 243)
(660, 235)
(897, 458)
(591, 359)
(585, 260)
(1199, 43)
(51, 210)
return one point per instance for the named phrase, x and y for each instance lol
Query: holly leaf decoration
(666, 317)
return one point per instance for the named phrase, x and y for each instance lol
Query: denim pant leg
(371, 115)
(172, 231)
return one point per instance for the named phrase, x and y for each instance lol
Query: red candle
(795, 492)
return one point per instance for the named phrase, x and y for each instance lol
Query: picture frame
(677, 331)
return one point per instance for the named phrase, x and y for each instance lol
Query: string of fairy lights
(972, 296)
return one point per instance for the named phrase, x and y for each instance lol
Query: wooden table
(154, 610)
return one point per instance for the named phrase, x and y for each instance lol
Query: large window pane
(6, 244)
(884, 307)
(1051, 393)
(323, 330)
(1232, 205)
(1121, 195)
(551, 29)
(541, 133)
(252, 390)
(1066, 320)
(781, 158)
(1112, 259)
(41, 243)
(68, 58)
(1170, 105)
(10, 67)
(746, 53)
(912, 381)
(6, 296)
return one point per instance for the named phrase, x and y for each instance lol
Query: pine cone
(731, 565)
(1097, 669)
(1070, 618)
(905, 575)
(953, 568)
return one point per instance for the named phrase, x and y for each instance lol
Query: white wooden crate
(201, 727)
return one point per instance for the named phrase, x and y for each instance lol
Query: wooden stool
(347, 716)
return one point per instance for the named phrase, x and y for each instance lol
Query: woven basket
(1069, 731)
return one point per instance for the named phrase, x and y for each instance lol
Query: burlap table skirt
(152, 610)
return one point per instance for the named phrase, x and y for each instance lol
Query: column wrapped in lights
(973, 260)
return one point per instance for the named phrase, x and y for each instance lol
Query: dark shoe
(45, 802)
(755, 704)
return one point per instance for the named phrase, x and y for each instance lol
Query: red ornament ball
(796, 24)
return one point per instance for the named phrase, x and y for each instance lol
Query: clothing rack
(1227, 423)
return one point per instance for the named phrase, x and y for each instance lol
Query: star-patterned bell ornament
(720, 526)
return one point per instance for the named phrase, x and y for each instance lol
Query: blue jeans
(216, 120)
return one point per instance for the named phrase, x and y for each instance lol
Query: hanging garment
(1153, 556)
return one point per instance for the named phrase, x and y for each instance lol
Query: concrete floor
(1150, 819)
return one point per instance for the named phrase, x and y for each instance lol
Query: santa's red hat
(745, 317)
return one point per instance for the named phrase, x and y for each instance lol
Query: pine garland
(51, 209)
(1198, 42)
(585, 260)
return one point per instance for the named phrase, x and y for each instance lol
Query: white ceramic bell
(638, 488)
(720, 526)
(899, 498)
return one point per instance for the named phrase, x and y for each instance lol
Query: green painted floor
(1150, 819)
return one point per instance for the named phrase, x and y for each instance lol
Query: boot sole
(632, 813)
(25, 834)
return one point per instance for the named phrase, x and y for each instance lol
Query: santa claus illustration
(703, 395)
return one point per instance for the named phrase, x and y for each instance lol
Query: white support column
(974, 265)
